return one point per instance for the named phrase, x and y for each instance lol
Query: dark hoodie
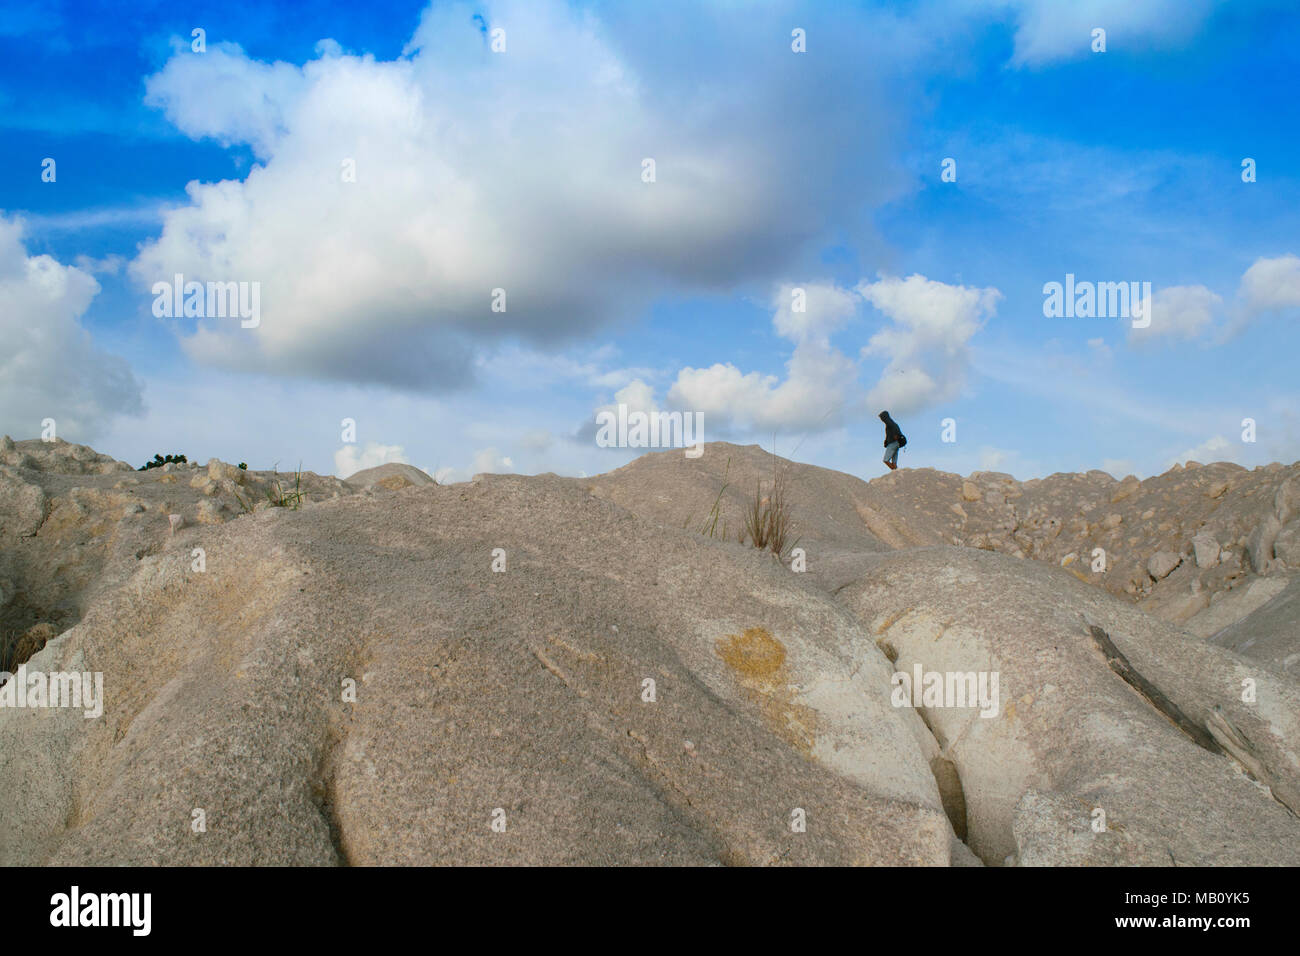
(892, 432)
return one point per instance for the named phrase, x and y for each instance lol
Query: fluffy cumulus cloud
(489, 461)
(926, 346)
(1186, 312)
(1050, 30)
(254, 106)
(485, 461)
(350, 459)
(519, 171)
(49, 366)
(635, 396)
(1212, 449)
(813, 311)
(1271, 284)
(1178, 312)
(820, 383)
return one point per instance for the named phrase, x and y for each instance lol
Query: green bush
(159, 461)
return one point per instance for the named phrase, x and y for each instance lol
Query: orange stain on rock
(758, 660)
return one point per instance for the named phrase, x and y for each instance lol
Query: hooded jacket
(892, 432)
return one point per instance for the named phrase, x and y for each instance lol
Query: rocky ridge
(554, 670)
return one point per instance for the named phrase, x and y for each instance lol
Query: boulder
(23, 505)
(219, 471)
(1101, 707)
(517, 697)
(1266, 632)
(1228, 607)
(391, 477)
(1160, 564)
(1286, 500)
(1206, 549)
(1259, 543)
(1286, 546)
(1127, 488)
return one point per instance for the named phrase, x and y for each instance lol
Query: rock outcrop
(391, 477)
(594, 671)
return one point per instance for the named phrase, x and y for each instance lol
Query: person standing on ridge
(894, 440)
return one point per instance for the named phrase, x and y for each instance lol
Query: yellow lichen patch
(759, 662)
(755, 654)
(1081, 576)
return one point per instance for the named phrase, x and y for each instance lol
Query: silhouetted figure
(894, 440)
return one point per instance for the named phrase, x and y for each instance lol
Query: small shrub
(280, 498)
(277, 495)
(243, 466)
(159, 461)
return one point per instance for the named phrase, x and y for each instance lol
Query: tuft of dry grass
(769, 524)
(709, 527)
(277, 496)
(280, 498)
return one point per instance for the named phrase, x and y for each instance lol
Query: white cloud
(109, 265)
(926, 347)
(488, 461)
(485, 461)
(927, 344)
(820, 381)
(637, 396)
(145, 213)
(1271, 284)
(1213, 449)
(255, 103)
(1051, 30)
(348, 460)
(818, 384)
(826, 308)
(49, 365)
(1178, 312)
(515, 363)
(477, 171)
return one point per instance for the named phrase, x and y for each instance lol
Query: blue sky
(776, 170)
